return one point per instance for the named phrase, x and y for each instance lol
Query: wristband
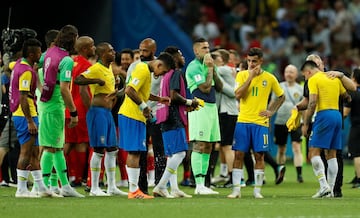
(342, 75)
(188, 102)
(74, 113)
(143, 105)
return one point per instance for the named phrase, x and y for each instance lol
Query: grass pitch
(289, 199)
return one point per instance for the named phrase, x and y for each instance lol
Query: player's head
(254, 57)
(84, 46)
(308, 68)
(32, 50)
(200, 48)
(163, 64)
(147, 49)
(126, 58)
(50, 37)
(66, 38)
(177, 54)
(290, 73)
(105, 52)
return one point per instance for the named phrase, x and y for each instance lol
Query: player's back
(327, 89)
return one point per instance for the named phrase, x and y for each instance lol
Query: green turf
(289, 199)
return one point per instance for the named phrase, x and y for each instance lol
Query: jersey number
(254, 91)
(266, 139)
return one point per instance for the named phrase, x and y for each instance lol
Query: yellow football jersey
(257, 96)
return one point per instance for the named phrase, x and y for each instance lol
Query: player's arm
(65, 67)
(346, 81)
(303, 104)
(309, 113)
(218, 82)
(81, 80)
(26, 110)
(242, 90)
(133, 95)
(85, 96)
(273, 106)
(24, 88)
(346, 111)
(162, 100)
(205, 87)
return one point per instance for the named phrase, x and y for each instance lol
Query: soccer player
(204, 130)
(55, 96)
(23, 84)
(173, 120)
(76, 138)
(253, 89)
(123, 59)
(303, 104)
(326, 130)
(100, 122)
(133, 114)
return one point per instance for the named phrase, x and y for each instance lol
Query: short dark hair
(50, 37)
(123, 51)
(66, 37)
(255, 51)
(29, 46)
(356, 75)
(199, 40)
(167, 59)
(127, 51)
(310, 64)
(173, 50)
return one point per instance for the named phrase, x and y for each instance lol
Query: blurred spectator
(327, 12)
(206, 29)
(342, 30)
(223, 41)
(233, 20)
(321, 36)
(273, 46)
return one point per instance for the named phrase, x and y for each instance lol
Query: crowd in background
(287, 30)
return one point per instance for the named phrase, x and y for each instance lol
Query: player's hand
(208, 60)
(111, 96)
(194, 103)
(101, 82)
(304, 130)
(73, 121)
(165, 100)
(32, 128)
(147, 112)
(266, 113)
(254, 71)
(334, 74)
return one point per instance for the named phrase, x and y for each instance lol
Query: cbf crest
(264, 83)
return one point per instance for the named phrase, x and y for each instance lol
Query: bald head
(84, 46)
(147, 49)
(290, 73)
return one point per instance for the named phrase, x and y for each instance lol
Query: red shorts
(77, 134)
